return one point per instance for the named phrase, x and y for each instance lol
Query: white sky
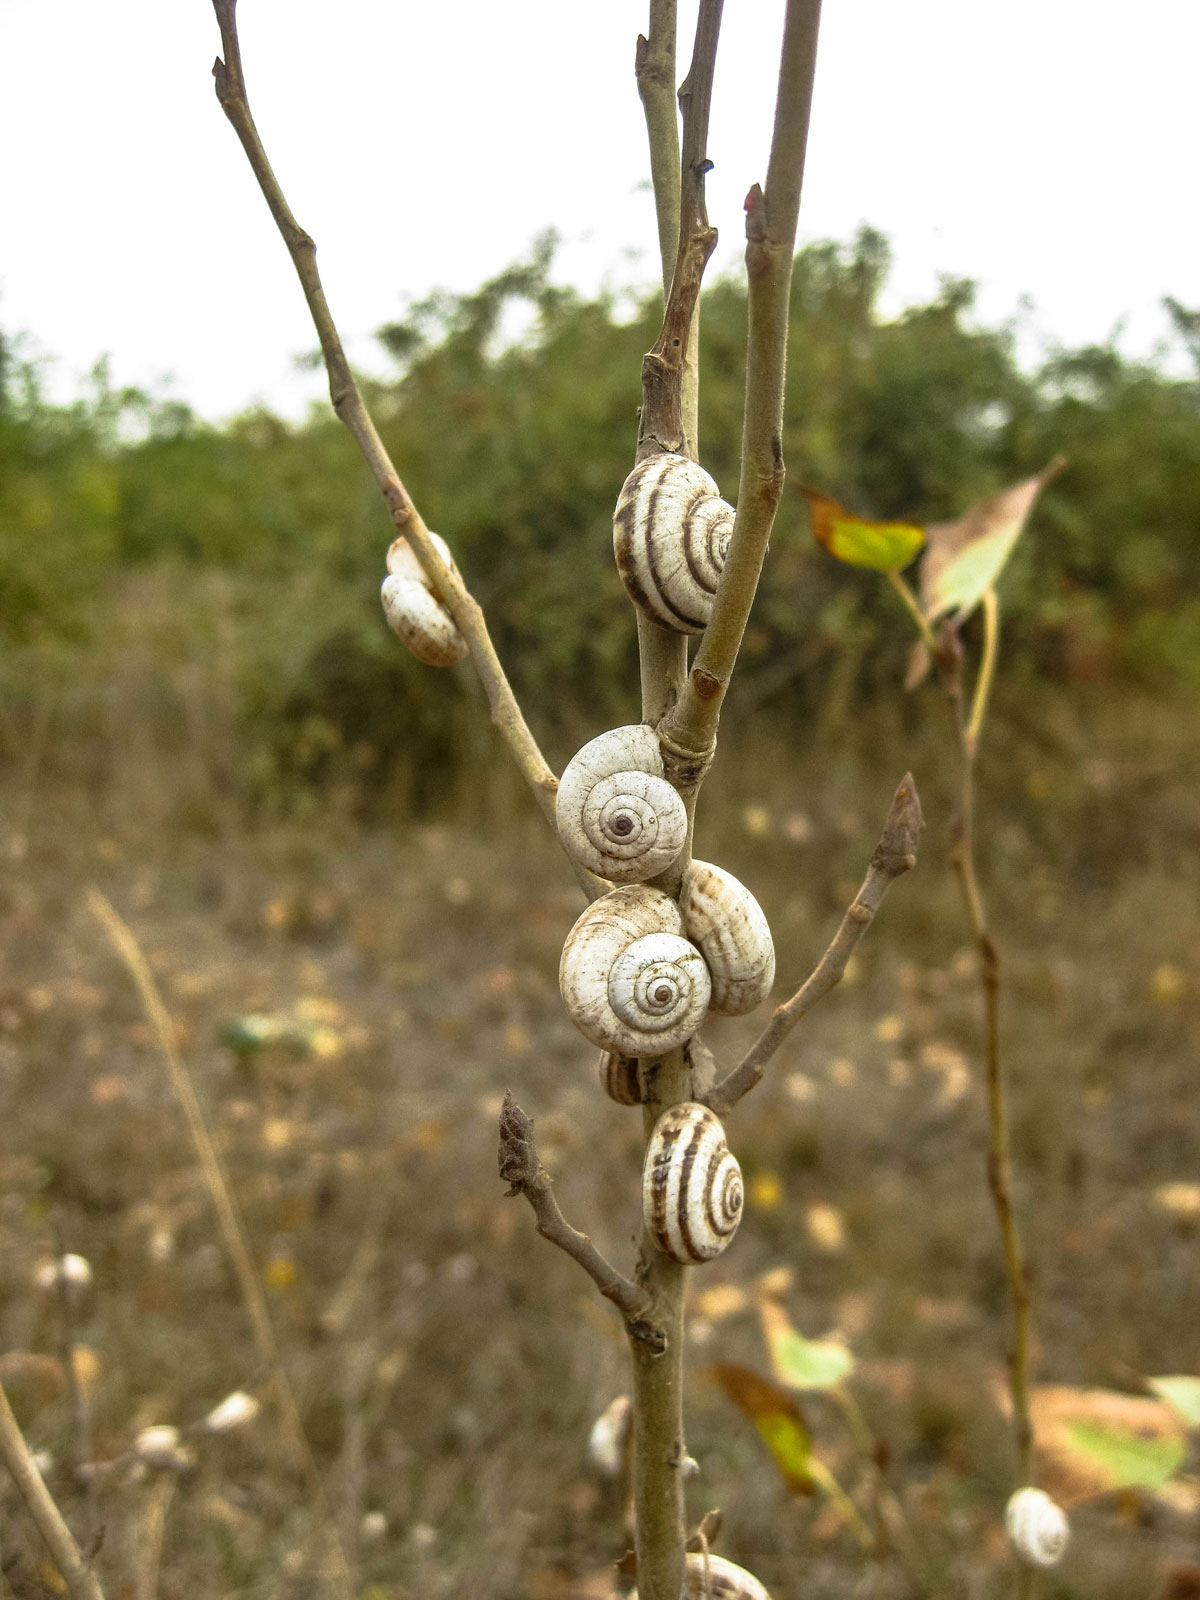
(1046, 147)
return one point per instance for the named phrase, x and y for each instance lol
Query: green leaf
(799, 1362)
(1182, 1394)
(965, 558)
(778, 1420)
(1128, 1460)
(883, 546)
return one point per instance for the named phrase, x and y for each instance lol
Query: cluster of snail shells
(722, 1580)
(671, 532)
(414, 613)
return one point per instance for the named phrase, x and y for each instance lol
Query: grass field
(447, 1363)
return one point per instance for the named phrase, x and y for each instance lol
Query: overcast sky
(1046, 147)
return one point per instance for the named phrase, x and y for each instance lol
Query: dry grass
(453, 1386)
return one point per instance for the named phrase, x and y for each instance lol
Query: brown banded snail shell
(691, 1185)
(620, 1078)
(615, 811)
(671, 532)
(727, 922)
(630, 981)
(414, 613)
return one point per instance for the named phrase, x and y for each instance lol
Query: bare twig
(771, 215)
(81, 1581)
(232, 1230)
(350, 407)
(655, 62)
(521, 1169)
(895, 854)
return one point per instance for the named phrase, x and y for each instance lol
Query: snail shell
(691, 1185)
(727, 922)
(671, 532)
(616, 812)
(725, 1581)
(414, 613)
(631, 983)
(619, 1078)
(1037, 1528)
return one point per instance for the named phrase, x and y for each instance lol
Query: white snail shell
(726, 1581)
(616, 812)
(671, 532)
(1037, 1528)
(691, 1185)
(631, 983)
(414, 613)
(727, 922)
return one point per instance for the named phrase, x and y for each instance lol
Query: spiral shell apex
(671, 532)
(727, 922)
(725, 1580)
(615, 811)
(691, 1185)
(630, 982)
(1037, 1528)
(414, 613)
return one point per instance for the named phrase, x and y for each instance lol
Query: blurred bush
(239, 566)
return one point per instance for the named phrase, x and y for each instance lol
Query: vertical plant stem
(999, 1164)
(913, 606)
(81, 1582)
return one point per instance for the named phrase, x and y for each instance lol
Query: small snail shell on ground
(414, 613)
(631, 983)
(727, 922)
(671, 532)
(1037, 1528)
(691, 1185)
(726, 1581)
(616, 812)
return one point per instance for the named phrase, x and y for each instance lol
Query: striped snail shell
(616, 812)
(619, 1078)
(1037, 1528)
(671, 532)
(691, 1185)
(727, 922)
(630, 981)
(724, 1580)
(414, 613)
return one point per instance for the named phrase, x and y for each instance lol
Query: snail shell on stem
(414, 613)
(630, 981)
(615, 811)
(620, 1076)
(671, 533)
(1037, 1528)
(727, 922)
(725, 1580)
(691, 1185)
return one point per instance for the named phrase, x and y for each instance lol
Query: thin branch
(895, 854)
(348, 403)
(771, 217)
(127, 948)
(81, 1581)
(987, 671)
(655, 64)
(913, 606)
(521, 1169)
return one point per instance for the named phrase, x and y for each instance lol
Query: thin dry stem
(350, 407)
(232, 1230)
(771, 217)
(524, 1173)
(895, 854)
(81, 1581)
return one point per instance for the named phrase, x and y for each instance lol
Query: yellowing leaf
(798, 1362)
(1091, 1441)
(883, 546)
(776, 1416)
(965, 557)
(1182, 1394)
(1129, 1461)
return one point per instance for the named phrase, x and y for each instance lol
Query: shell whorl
(727, 922)
(691, 1185)
(725, 1580)
(671, 532)
(414, 613)
(630, 982)
(615, 811)
(1037, 1528)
